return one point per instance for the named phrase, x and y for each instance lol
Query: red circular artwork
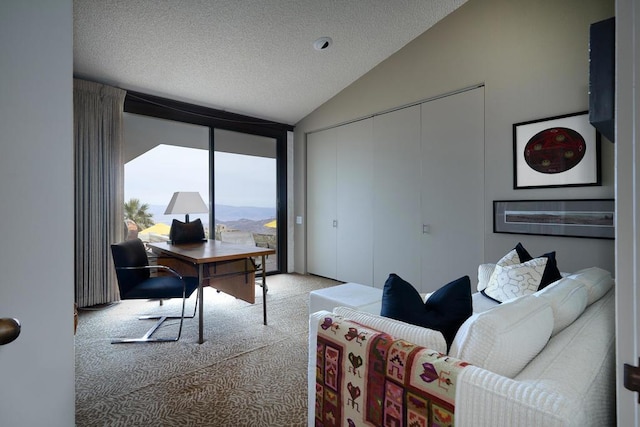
(554, 150)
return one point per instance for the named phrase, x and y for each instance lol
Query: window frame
(164, 108)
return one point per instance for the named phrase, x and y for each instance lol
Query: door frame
(627, 158)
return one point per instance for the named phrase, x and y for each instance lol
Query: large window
(245, 190)
(152, 178)
(161, 157)
(237, 164)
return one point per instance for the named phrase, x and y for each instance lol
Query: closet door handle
(335, 223)
(9, 330)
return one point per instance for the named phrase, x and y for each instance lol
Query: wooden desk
(225, 266)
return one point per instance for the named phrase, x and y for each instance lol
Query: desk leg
(264, 289)
(200, 302)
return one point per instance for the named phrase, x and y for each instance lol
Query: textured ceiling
(253, 57)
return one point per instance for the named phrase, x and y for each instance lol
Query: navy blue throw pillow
(444, 311)
(401, 301)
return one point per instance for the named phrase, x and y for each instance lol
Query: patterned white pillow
(511, 258)
(511, 279)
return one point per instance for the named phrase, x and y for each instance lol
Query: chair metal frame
(161, 318)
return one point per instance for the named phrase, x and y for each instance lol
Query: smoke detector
(322, 43)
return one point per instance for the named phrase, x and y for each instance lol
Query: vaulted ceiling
(253, 57)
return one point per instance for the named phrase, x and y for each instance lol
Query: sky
(240, 180)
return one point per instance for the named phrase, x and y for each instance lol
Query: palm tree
(138, 213)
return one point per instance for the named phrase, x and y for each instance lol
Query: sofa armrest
(484, 398)
(314, 319)
(356, 388)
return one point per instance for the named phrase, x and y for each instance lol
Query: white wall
(532, 58)
(37, 386)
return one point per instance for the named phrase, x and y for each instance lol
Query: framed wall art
(594, 218)
(561, 151)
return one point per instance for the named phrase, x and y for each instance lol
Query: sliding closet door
(452, 188)
(355, 202)
(321, 203)
(340, 203)
(396, 188)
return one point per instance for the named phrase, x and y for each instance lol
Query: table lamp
(186, 202)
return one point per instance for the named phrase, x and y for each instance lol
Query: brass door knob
(9, 330)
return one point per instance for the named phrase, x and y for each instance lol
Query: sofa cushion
(567, 298)
(419, 335)
(579, 364)
(482, 303)
(597, 281)
(506, 338)
(445, 309)
(518, 273)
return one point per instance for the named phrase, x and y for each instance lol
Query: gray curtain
(99, 189)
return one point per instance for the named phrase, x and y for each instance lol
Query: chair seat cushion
(162, 287)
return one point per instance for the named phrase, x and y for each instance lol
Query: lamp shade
(186, 202)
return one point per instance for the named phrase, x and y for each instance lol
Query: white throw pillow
(510, 258)
(484, 274)
(597, 281)
(424, 337)
(506, 338)
(510, 281)
(567, 298)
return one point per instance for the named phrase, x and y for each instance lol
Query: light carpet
(244, 374)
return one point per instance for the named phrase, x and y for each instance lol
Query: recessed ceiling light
(322, 43)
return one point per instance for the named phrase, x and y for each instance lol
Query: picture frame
(560, 151)
(590, 218)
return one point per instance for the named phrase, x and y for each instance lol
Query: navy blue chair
(135, 282)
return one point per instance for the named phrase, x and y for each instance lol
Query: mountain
(224, 213)
(233, 213)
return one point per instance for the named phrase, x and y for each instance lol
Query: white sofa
(545, 359)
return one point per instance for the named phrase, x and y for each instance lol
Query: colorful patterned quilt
(365, 377)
